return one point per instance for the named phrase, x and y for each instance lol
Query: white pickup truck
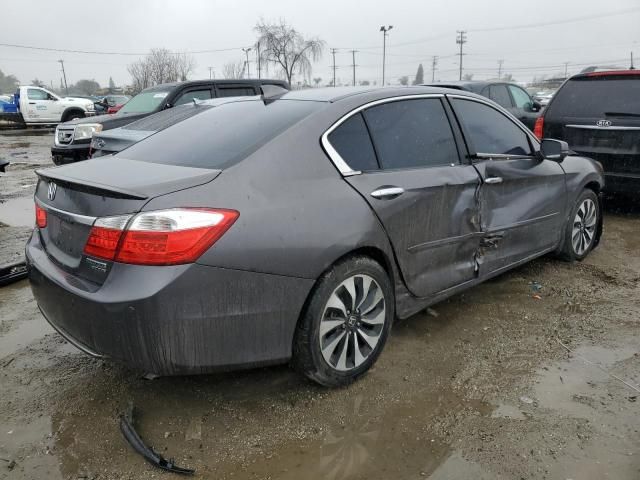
(38, 106)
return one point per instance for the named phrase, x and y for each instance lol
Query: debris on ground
(155, 459)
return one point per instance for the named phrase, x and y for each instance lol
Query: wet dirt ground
(533, 375)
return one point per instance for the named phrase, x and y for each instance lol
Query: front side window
(412, 133)
(188, 97)
(235, 91)
(489, 130)
(520, 97)
(352, 142)
(37, 94)
(500, 95)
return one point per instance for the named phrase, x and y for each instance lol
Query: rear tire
(583, 227)
(340, 337)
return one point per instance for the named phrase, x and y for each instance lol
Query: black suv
(598, 115)
(508, 95)
(72, 139)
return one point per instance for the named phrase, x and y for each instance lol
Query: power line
(89, 52)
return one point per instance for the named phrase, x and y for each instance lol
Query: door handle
(387, 193)
(32, 103)
(493, 180)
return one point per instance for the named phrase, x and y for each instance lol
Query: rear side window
(222, 135)
(412, 133)
(490, 131)
(352, 142)
(500, 95)
(596, 97)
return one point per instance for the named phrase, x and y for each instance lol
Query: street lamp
(246, 52)
(384, 31)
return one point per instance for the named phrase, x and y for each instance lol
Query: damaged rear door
(421, 192)
(522, 197)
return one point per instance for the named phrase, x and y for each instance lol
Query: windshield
(222, 135)
(598, 97)
(144, 102)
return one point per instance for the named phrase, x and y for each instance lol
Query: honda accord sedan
(298, 229)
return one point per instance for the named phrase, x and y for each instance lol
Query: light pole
(66, 88)
(246, 52)
(385, 32)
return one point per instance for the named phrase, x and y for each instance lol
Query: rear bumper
(174, 320)
(69, 153)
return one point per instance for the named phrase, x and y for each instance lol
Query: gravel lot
(492, 384)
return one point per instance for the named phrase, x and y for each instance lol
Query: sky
(532, 38)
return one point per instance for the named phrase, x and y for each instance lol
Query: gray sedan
(296, 229)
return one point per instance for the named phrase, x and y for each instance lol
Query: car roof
(470, 85)
(607, 73)
(331, 94)
(191, 83)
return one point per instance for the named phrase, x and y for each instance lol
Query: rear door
(412, 177)
(522, 197)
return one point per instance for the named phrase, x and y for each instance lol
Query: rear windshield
(166, 118)
(223, 135)
(144, 102)
(597, 97)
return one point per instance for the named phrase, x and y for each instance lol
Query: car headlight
(86, 131)
(91, 106)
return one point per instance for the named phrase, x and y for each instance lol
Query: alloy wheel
(352, 322)
(584, 226)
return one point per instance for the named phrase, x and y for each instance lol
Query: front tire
(345, 324)
(73, 115)
(583, 227)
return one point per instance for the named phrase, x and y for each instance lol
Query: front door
(423, 195)
(41, 106)
(521, 198)
(523, 106)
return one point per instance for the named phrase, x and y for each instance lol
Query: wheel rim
(584, 226)
(352, 323)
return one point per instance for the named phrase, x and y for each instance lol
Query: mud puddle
(18, 212)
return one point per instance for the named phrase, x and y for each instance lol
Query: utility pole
(66, 88)
(461, 39)
(434, 64)
(632, 67)
(500, 62)
(246, 52)
(333, 54)
(385, 32)
(353, 55)
(210, 73)
(258, 59)
(566, 66)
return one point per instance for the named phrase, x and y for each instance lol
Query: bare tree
(404, 80)
(283, 46)
(233, 70)
(317, 80)
(160, 66)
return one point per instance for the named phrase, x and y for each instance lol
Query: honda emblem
(51, 191)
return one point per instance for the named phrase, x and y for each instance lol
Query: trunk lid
(75, 195)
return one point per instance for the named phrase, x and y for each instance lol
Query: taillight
(164, 237)
(538, 127)
(41, 216)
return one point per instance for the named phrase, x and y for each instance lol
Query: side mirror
(536, 106)
(555, 150)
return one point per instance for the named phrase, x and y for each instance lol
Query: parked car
(543, 97)
(298, 228)
(508, 95)
(33, 105)
(598, 115)
(117, 139)
(111, 103)
(72, 139)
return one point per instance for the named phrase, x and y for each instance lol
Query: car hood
(109, 121)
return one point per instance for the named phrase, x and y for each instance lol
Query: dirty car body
(310, 179)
